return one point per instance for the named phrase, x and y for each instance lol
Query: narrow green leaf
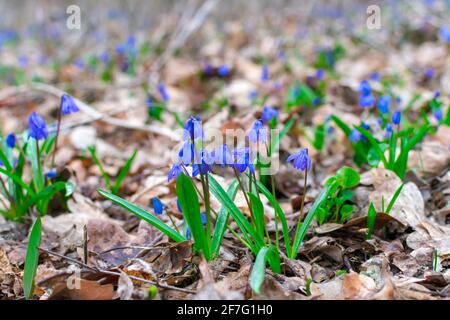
(93, 153)
(144, 215)
(250, 234)
(309, 218)
(371, 216)
(265, 254)
(123, 173)
(222, 220)
(279, 212)
(31, 259)
(258, 211)
(188, 198)
(394, 198)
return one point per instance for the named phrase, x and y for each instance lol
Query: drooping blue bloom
(188, 233)
(11, 140)
(444, 33)
(208, 69)
(104, 57)
(316, 101)
(300, 160)
(37, 126)
(120, 49)
(158, 207)
(438, 114)
(163, 92)
(222, 156)
(437, 94)
(193, 129)
(383, 104)
(243, 159)
(223, 71)
(375, 76)
(68, 105)
(365, 88)
(203, 218)
(265, 73)
(203, 164)
(268, 114)
(187, 153)
(258, 132)
(174, 172)
(23, 61)
(366, 100)
(388, 130)
(51, 174)
(320, 73)
(396, 117)
(355, 135)
(79, 63)
(429, 73)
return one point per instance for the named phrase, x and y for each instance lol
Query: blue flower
(366, 100)
(51, 174)
(300, 160)
(383, 104)
(242, 159)
(375, 76)
(388, 130)
(11, 140)
(320, 73)
(203, 218)
(188, 233)
(355, 135)
(37, 127)
(187, 153)
(268, 114)
(104, 57)
(204, 164)
(163, 92)
(120, 49)
(179, 206)
(193, 129)
(437, 94)
(429, 73)
(258, 132)
(316, 101)
(208, 69)
(396, 116)
(68, 105)
(223, 71)
(444, 33)
(253, 95)
(365, 88)
(265, 73)
(23, 61)
(438, 114)
(157, 205)
(174, 172)
(222, 156)
(79, 63)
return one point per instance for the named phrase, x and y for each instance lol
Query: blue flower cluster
(366, 98)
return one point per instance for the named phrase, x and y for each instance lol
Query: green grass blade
(18, 181)
(123, 173)
(222, 220)
(144, 215)
(188, 198)
(394, 198)
(279, 212)
(250, 234)
(371, 216)
(309, 218)
(31, 259)
(258, 212)
(93, 153)
(266, 254)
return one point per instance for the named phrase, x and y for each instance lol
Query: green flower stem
(301, 205)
